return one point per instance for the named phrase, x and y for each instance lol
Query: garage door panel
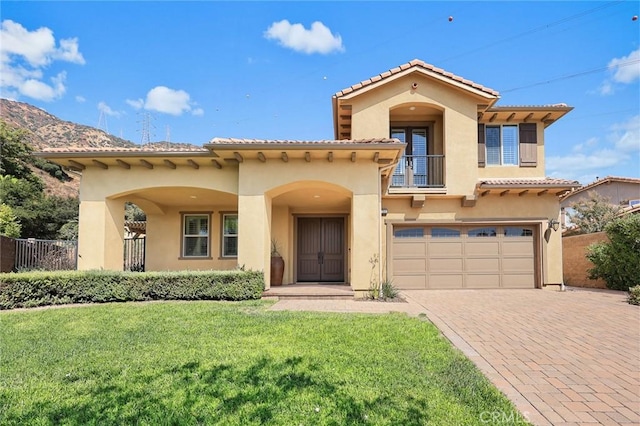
(410, 248)
(517, 264)
(482, 265)
(517, 248)
(483, 248)
(518, 281)
(445, 265)
(446, 248)
(410, 282)
(483, 281)
(445, 281)
(402, 266)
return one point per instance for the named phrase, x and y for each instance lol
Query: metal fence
(60, 255)
(48, 255)
(134, 249)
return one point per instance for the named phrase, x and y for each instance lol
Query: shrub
(389, 291)
(60, 287)
(617, 262)
(634, 295)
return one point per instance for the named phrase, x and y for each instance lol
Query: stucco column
(101, 235)
(254, 234)
(552, 252)
(365, 241)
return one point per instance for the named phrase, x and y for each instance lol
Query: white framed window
(502, 145)
(196, 234)
(229, 235)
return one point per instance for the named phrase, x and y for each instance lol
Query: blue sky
(268, 69)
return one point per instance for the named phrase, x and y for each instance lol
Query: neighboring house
(428, 183)
(620, 191)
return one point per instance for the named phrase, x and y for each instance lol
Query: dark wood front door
(321, 249)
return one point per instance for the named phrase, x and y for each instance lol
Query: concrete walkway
(563, 358)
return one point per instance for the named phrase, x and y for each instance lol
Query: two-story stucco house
(427, 183)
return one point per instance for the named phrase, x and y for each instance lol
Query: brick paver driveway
(563, 358)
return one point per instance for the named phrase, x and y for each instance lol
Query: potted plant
(277, 264)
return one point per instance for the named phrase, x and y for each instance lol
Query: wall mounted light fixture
(553, 224)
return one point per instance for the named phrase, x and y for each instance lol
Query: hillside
(44, 130)
(48, 131)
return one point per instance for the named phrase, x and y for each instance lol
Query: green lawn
(234, 364)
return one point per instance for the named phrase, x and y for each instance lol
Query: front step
(309, 292)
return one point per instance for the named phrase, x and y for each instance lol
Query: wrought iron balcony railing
(419, 171)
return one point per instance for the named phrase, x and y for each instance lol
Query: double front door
(320, 249)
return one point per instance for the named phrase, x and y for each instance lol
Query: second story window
(416, 168)
(502, 145)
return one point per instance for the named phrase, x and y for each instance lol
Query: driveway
(563, 358)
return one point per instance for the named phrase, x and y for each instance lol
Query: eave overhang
(523, 187)
(547, 114)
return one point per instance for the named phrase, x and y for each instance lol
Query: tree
(15, 154)
(40, 216)
(594, 213)
(617, 262)
(9, 225)
(133, 213)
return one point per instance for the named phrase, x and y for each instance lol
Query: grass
(234, 363)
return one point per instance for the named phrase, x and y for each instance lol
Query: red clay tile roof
(234, 141)
(529, 182)
(607, 179)
(142, 150)
(416, 63)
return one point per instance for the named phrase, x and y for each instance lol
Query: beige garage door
(437, 257)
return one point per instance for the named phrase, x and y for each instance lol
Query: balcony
(419, 171)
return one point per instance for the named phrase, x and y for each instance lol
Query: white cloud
(568, 165)
(80, 99)
(106, 109)
(166, 100)
(169, 101)
(318, 39)
(135, 103)
(37, 89)
(625, 70)
(626, 136)
(24, 56)
(589, 159)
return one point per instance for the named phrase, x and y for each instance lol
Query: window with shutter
(528, 145)
(481, 146)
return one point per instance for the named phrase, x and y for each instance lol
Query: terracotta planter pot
(277, 270)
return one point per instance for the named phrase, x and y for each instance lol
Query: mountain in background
(48, 131)
(44, 130)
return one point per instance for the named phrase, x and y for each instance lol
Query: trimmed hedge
(38, 288)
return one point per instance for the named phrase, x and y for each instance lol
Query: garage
(473, 257)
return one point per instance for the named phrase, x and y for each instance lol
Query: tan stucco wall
(492, 208)
(371, 112)
(101, 224)
(163, 245)
(575, 262)
(357, 180)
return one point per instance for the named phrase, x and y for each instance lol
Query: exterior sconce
(554, 224)
(384, 211)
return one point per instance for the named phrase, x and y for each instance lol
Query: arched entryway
(310, 220)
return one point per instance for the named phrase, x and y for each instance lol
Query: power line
(566, 77)
(534, 30)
